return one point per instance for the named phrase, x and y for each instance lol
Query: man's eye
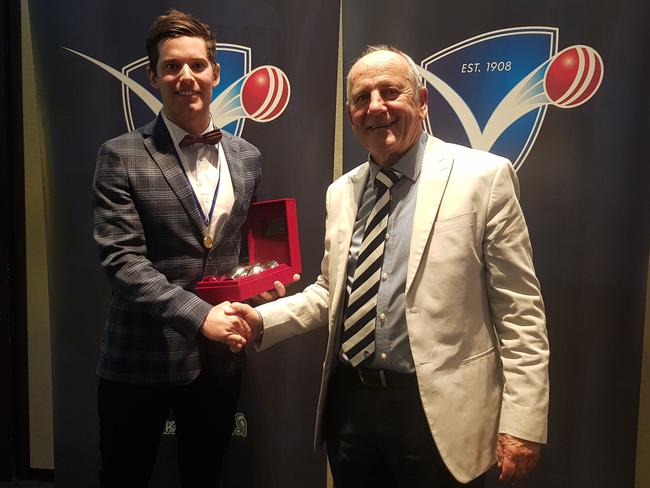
(171, 66)
(391, 93)
(199, 66)
(361, 99)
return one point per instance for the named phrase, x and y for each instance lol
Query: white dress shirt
(207, 171)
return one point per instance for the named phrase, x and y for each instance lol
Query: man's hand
(516, 458)
(278, 292)
(218, 326)
(247, 314)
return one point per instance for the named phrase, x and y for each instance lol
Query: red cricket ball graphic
(573, 76)
(265, 93)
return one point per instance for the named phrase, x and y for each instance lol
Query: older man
(436, 363)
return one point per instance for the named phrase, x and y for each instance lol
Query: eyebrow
(179, 58)
(380, 86)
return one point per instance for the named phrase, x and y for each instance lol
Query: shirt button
(384, 277)
(387, 236)
(383, 355)
(382, 316)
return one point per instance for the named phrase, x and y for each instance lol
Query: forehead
(380, 67)
(182, 47)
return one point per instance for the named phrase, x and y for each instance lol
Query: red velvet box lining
(272, 233)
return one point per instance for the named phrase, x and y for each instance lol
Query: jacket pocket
(455, 222)
(478, 356)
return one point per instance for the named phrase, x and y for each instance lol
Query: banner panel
(91, 76)
(559, 88)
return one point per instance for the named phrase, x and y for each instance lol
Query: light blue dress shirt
(392, 348)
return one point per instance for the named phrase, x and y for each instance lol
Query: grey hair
(413, 75)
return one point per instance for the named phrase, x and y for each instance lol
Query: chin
(195, 109)
(388, 144)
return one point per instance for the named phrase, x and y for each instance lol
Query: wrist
(260, 326)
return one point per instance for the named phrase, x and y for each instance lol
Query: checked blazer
(149, 232)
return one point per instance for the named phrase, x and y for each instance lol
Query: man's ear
(153, 79)
(424, 102)
(216, 74)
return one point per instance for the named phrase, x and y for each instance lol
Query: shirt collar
(410, 164)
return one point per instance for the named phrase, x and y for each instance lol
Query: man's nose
(186, 72)
(376, 104)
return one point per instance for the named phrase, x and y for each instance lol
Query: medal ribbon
(207, 239)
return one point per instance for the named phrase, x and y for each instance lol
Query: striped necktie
(361, 312)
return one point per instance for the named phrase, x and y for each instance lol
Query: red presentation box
(272, 234)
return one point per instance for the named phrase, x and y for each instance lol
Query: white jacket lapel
(436, 169)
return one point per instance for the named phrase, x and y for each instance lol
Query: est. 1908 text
(488, 66)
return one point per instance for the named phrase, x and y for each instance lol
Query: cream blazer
(474, 310)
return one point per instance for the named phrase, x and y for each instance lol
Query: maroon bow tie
(211, 137)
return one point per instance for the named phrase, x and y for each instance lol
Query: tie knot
(387, 177)
(212, 137)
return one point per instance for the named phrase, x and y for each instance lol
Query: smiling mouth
(381, 126)
(188, 93)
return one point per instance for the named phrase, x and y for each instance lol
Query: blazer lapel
(162, 150)
(436, 169)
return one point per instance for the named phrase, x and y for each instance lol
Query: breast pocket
(445, 224)
(454, 244)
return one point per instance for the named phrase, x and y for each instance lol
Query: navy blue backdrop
(584, 189)
(83, 106)
(583, 181)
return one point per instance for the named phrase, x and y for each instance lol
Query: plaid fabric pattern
(149, 234)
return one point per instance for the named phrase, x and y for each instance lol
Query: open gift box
(272, 234)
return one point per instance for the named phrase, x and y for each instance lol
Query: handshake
(238, 323)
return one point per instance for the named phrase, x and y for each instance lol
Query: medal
(207, 241)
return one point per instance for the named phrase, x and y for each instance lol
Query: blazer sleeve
(119, 234)
(517, 311)
(303, 311)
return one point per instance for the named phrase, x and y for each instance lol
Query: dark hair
(174, 23)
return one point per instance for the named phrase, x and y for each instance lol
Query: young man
(170, 199)
(436, 363)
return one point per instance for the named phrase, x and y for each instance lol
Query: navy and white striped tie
(361, 312)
